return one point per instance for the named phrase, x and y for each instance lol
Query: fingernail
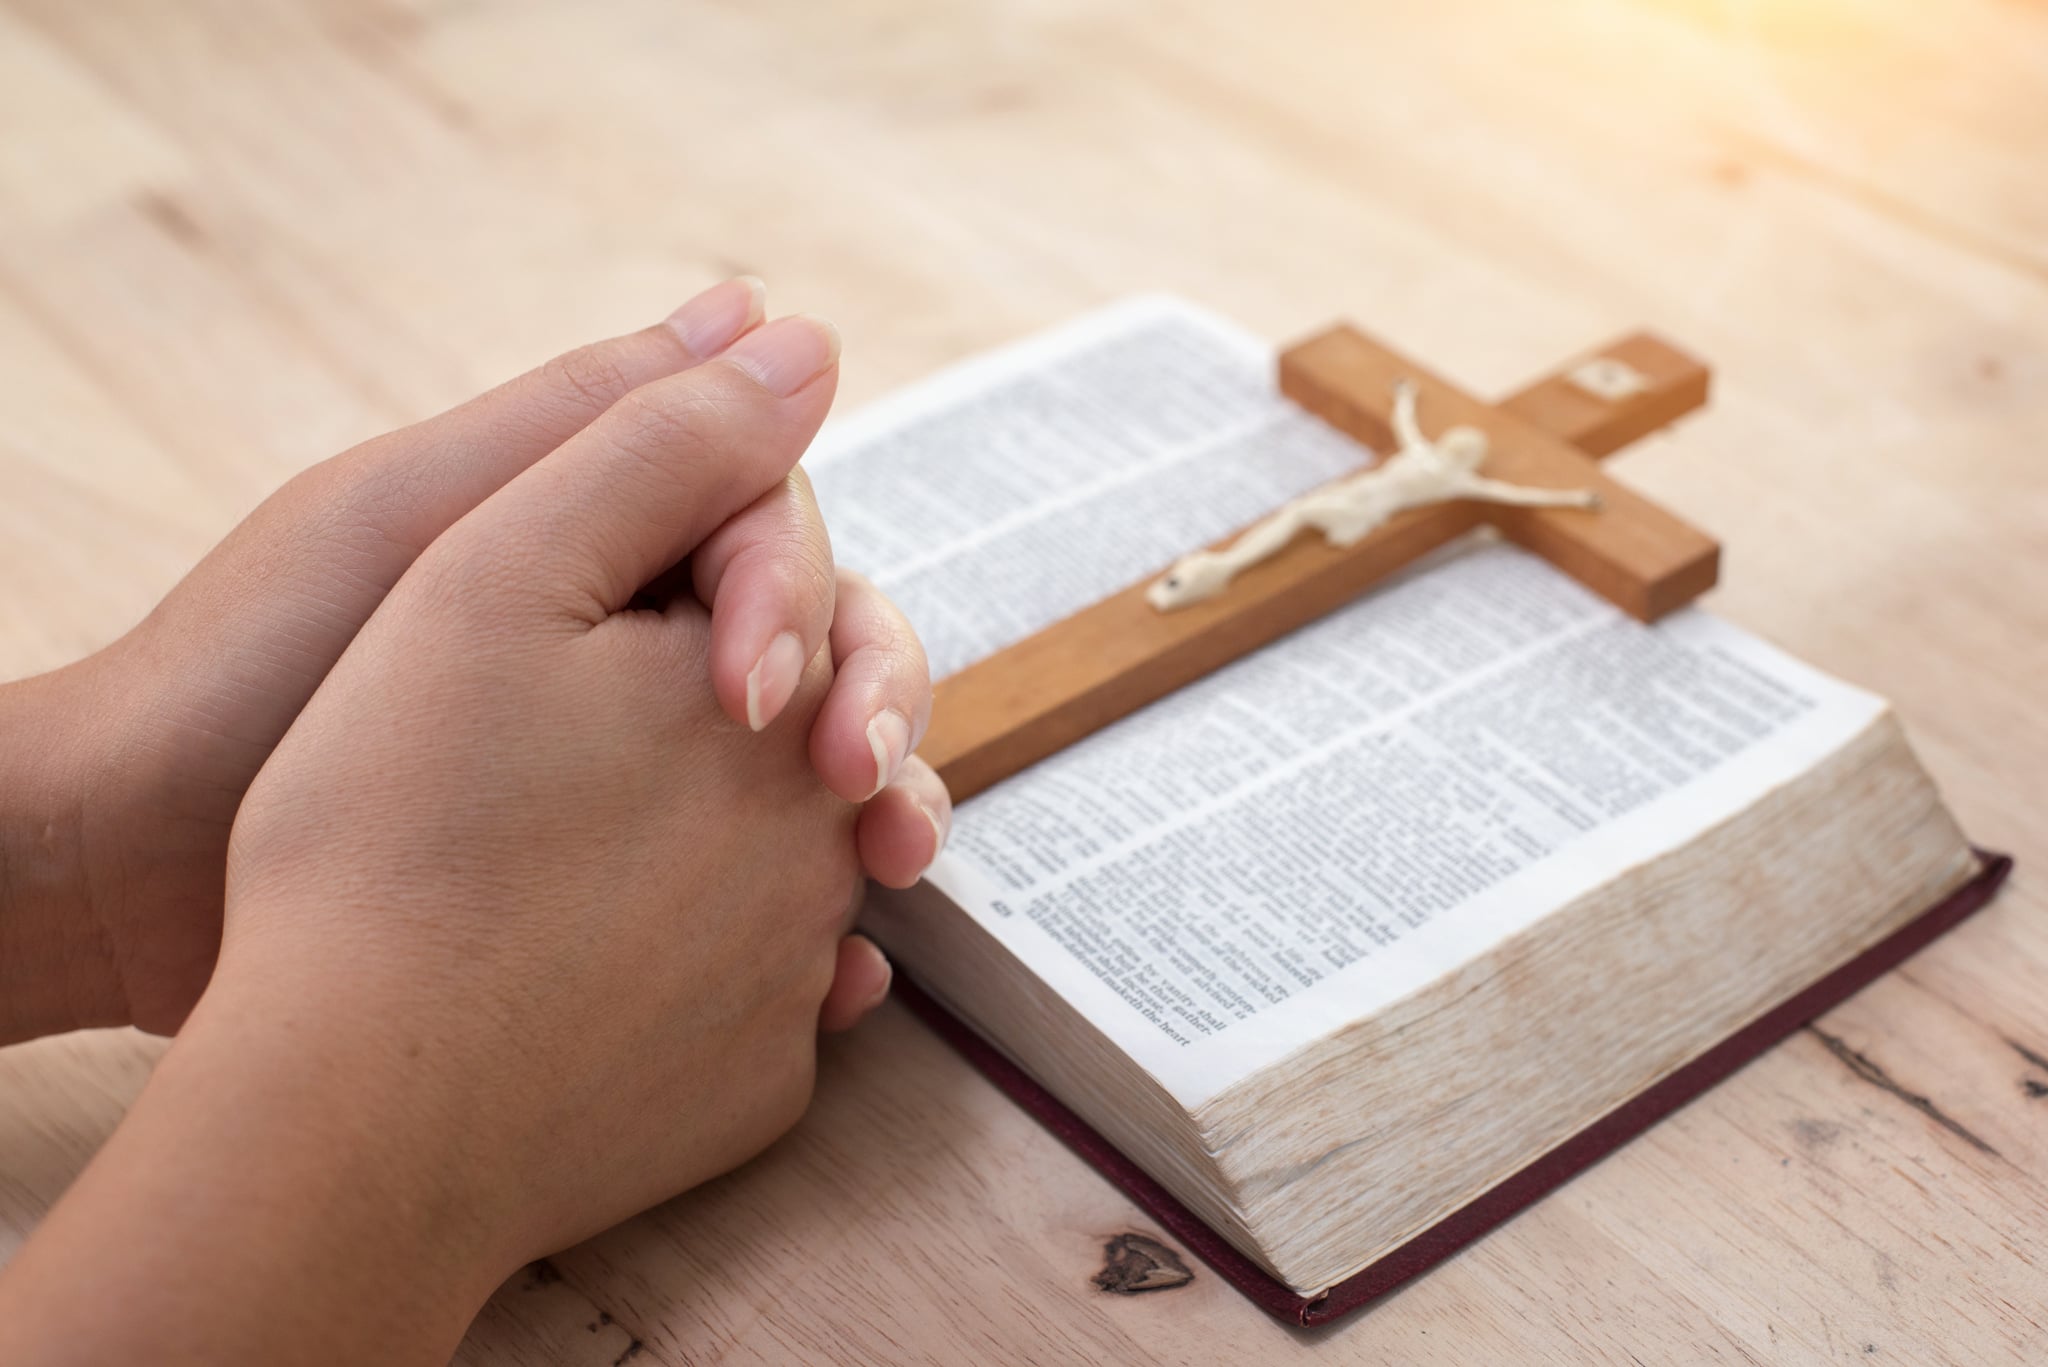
(709, 323)
(889, 739)
(773, 679)
(787, 354)
(940, 829)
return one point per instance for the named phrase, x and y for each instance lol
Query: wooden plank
(1007, 712)
(1018, 706)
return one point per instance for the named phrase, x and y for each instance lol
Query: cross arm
(1673, 385)
(1631, 552)
(1027, 702)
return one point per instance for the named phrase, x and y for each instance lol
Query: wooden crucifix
(1028, 701)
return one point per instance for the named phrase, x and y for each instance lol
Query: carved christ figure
(1419, 472)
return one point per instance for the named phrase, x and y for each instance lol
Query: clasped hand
(510, 778)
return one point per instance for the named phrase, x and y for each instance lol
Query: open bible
(1326, 951)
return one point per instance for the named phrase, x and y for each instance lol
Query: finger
(767, 577)
(416, 482)
(860, 981)
(881, 698)
(276, 603)
(630, 495)
(903, 829)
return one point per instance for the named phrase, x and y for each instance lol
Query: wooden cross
(1032, 699)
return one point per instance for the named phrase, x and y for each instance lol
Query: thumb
(632, 494)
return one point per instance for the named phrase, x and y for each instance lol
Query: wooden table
(235, 237)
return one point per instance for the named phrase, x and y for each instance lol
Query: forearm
(279, 1193)
(54, 961)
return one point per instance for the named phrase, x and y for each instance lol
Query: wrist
(355, 1114)
(289, 1185)
(57, 971)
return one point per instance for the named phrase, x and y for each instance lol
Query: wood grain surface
(235, 237)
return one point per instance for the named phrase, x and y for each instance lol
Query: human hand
(148, 746)
(514, 812)
(523, 932)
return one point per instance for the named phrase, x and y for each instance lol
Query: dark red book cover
(1524, 1187)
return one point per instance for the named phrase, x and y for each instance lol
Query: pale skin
(486, 815)
(1419, 473)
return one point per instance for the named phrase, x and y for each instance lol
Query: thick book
(1342, 954)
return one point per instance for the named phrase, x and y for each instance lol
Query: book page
(1330, 824)
(1002, 495)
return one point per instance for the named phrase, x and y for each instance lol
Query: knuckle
(653, 654)
(798, 569)
(883, 626)
(389, 493)
(899, 646)
(457, 584)
(349, 515)
(913, 654)
(590, 375)
(662, 421)
(479, 586)
(676, 405)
